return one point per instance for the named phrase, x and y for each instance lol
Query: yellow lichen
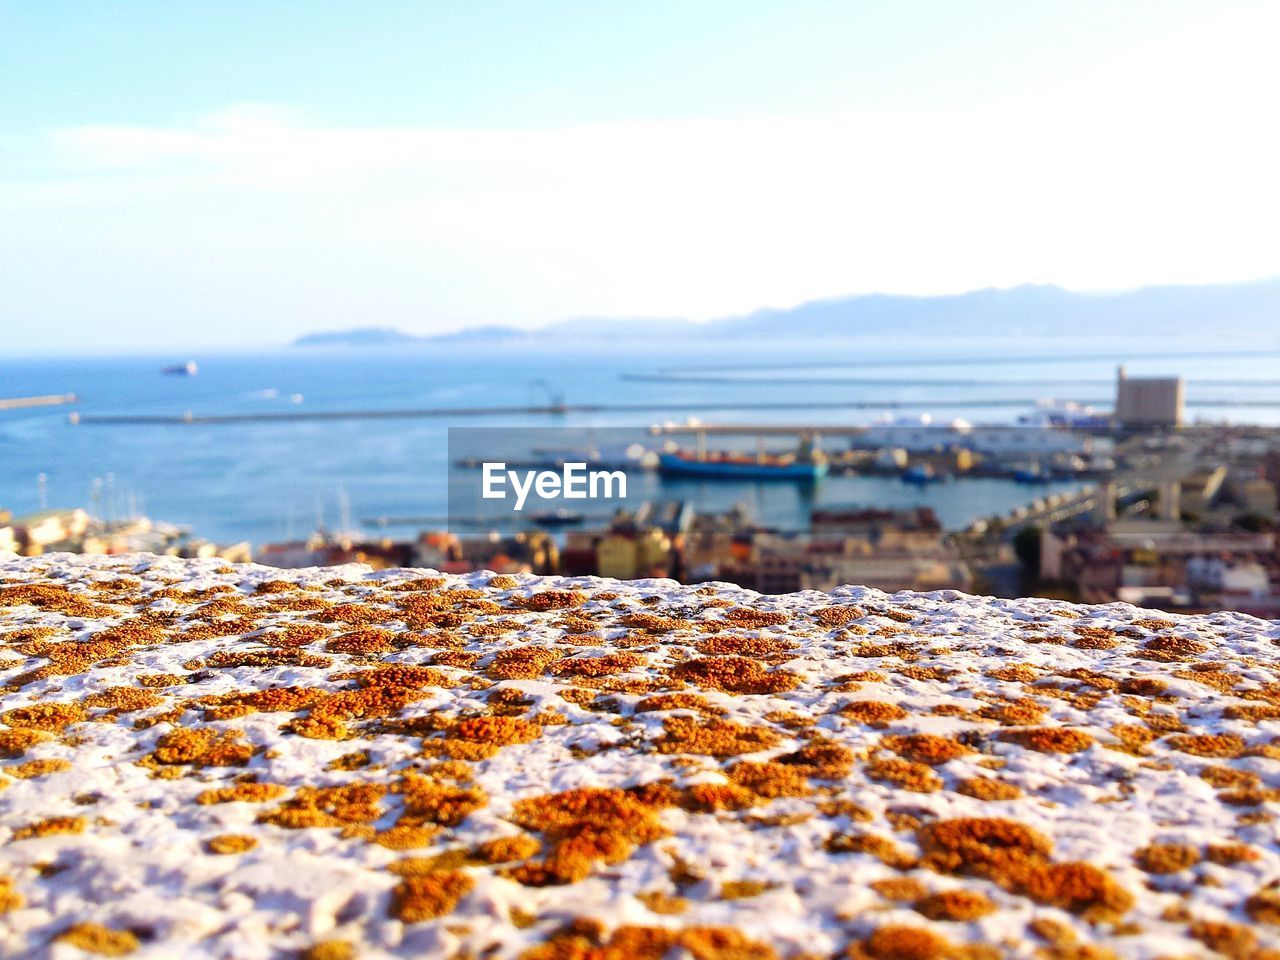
(229, 843)
(95, 938)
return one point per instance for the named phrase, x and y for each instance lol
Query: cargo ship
(806, 465)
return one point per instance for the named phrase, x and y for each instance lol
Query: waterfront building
(1148, 401)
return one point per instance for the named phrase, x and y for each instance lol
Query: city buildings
(76, 531)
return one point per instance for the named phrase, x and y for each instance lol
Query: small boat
(1031, 474)
(555, 518)
(188, 369)
(921, 474)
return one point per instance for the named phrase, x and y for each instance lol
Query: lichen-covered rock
(205, 760)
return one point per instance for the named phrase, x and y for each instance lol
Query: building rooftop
(212, 760)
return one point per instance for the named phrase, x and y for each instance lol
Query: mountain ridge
(1027, 309)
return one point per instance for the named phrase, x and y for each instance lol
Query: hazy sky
(176, 173)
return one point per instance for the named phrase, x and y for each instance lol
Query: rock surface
(233, 761)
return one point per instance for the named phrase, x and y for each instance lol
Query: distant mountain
(356, 337)
(1030, 310)
(1240, 309)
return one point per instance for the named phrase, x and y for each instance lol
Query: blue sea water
(263, 481)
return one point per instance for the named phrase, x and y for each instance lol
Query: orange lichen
(507, 849)
(337, 806)
(522, 663)
(415, 899)
(902, 943)
(1051, 739)
(158, 680)
(295, 635)
(51, 826)
(1230, 854)
(584, 826)
(1225, 745)
(230, 843)
(900, 889)
(230, 659)
(678, 701)
(874, 712)
(907, 774)
(653, 623)
(838, 616)
(37, 768)
(1015, 713)
(45, 716)
(409, 676)
(355, 614)
(988, 788)
(1264, 906)
(710, 797)
(16, 742)
(743, 889)
(714, 738)
(1164, 858)
(1015, 673)
(203, 748)
(770, 779)
(95, 938)
(369, 640)
(553, 600)
(748, 617)
(728, 643)
(406, 836)
(956, 905)
(734, 675)
(53, 598)
(882, 848)
(10, 899)
(1227, 939)
(584, 940)
(329, 950)
(241, 793)
(478, 738)
(821, 759)
(602, 666)
(319, 728)
(271, 700)
(123, 699)
(426, 801)
(1078, 887)
(663, 903)
(926, 748)
(982, 847)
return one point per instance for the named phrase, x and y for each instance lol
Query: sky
(238, 173)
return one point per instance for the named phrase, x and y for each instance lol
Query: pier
(48, 400)
(563, 409)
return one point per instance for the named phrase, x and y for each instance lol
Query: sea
(264, 481)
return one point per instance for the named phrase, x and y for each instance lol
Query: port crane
(555, 398)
